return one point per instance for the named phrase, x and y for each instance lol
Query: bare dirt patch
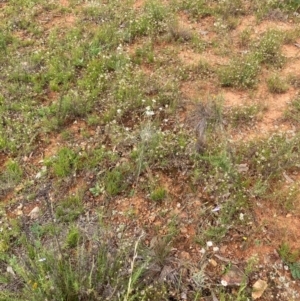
(138, 4)
(291, 51)
(50, 22)
(274, 25)
(235, 98)
(197, 90)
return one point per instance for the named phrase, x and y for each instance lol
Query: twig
(135, 255)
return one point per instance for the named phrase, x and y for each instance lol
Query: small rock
(241, 168)
(185, 255)
(10, 270)
(183, 230)
(289, 215)
(20, 206)
(258, 288)
(213, 262)
(19, 212)
(34, 213)
(183, 296)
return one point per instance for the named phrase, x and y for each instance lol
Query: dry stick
(53, 222)
(132, 267)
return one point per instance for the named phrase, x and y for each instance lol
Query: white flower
(149, 113)
(241, 216)
(224, 283)
(153, 100)
(119, 111)
(202, 251)
(209, 244)
(42, 259)
(148, 108)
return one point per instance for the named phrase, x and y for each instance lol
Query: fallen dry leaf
(34, 213)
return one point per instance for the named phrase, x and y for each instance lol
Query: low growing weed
(276, 84)
(243, 115)
(291, 258)
(64, 163)
(70, 208)
(158, 194)
(11, 175)
(268, 49)
(292, 113)
(241, 73)
(93, 268)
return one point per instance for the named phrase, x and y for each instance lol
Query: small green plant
(295, 270)
(292, 113)
(291, 258)
(243, 115)
(13, 171)
(287, 254)
(5, 40)
(179, 33)
(158, 194)
(73, 237)
(194, 8)
(203, 69)
(231, 8)
(115, 181)
(11, 175)
(69, 208)
(144, 54)
(245, 37)
(268, 49)
(64, 163)
(276, 84)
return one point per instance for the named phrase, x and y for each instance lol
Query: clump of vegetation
(277, 84)
(64, 163)
(102, 273)
(244, 115)
(158, 194)
(293, 111)
(115, 181)
(268, 49)
(11, 175)
(241, 73)
(70, 208)
(291, 258)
